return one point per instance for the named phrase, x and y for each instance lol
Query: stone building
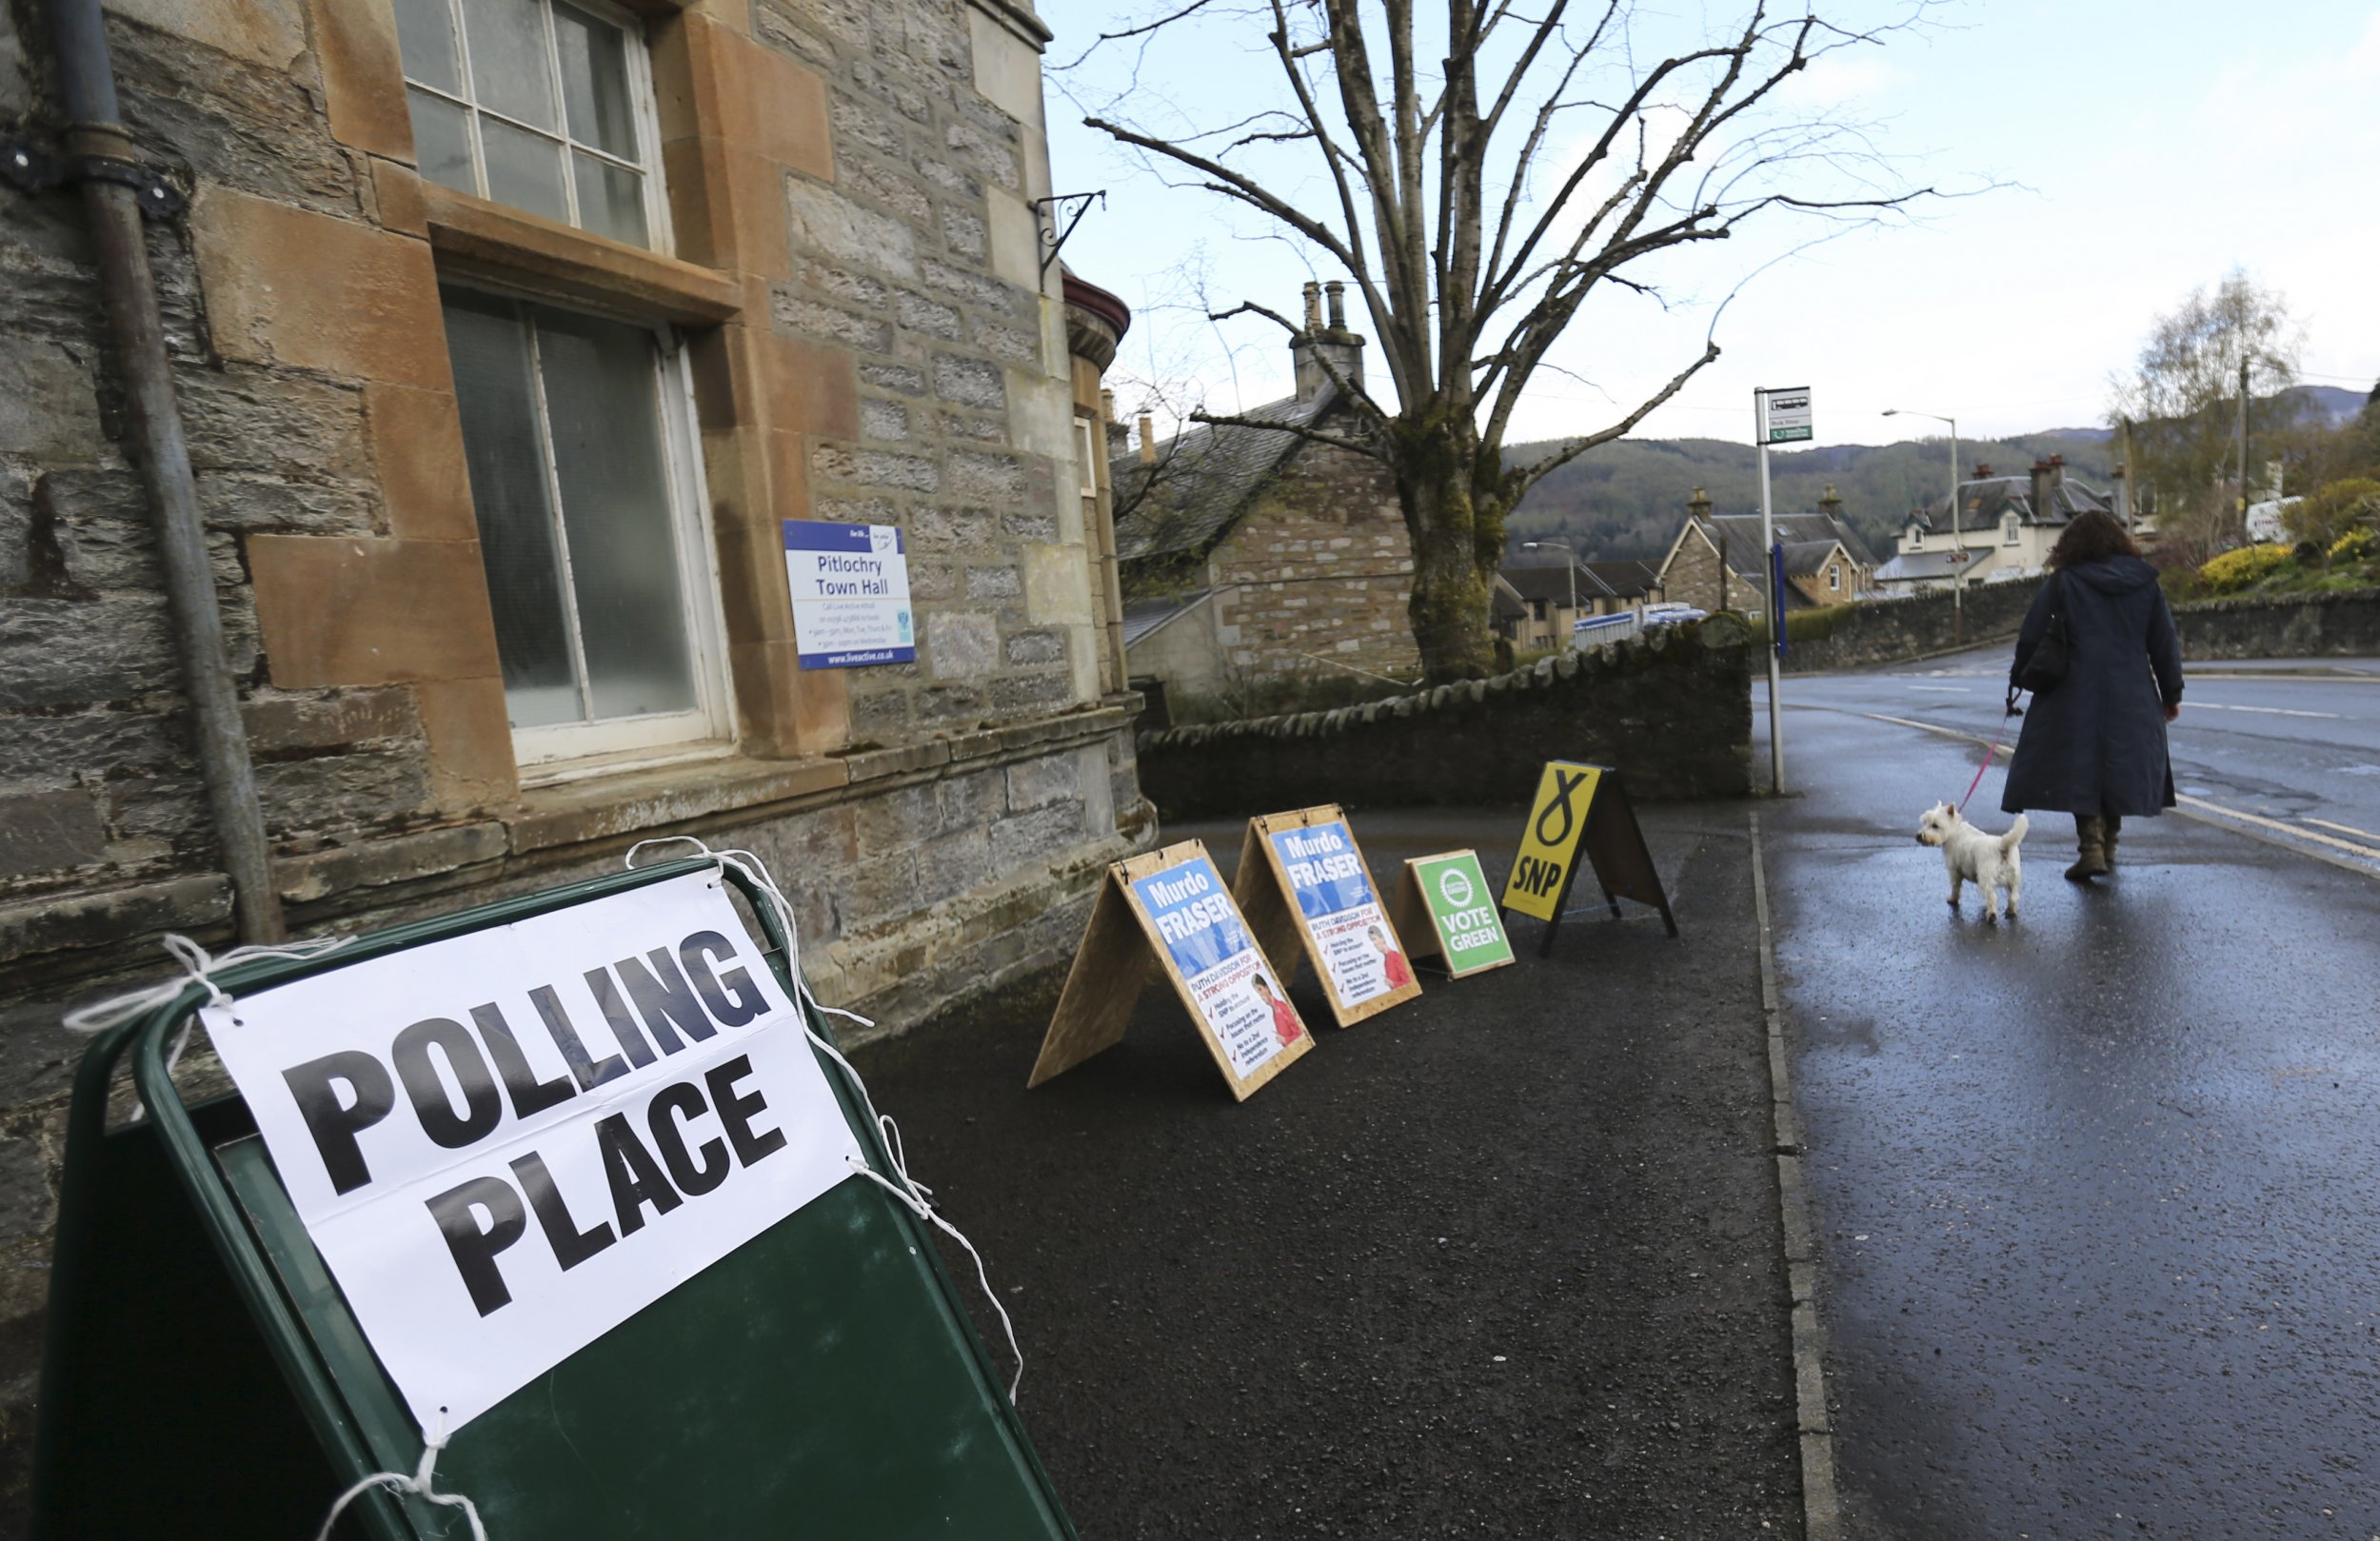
(1718, 561)
(506, 336)
(1251, 553)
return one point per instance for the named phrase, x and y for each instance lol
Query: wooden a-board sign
(1441, 904)
(1171, 905)
(1304, 886)
(1580, 811)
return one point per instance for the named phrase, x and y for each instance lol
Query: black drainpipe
(97, 152)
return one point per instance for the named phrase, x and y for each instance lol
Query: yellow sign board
(1549, 846)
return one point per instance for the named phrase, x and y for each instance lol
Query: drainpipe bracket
(31, 166)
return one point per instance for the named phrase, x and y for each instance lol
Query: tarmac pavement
(2097, 1194)
(1501, 1262)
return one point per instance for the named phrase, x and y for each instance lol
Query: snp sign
(1784, 415)
(506, 1144)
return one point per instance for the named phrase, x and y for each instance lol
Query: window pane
(510, 70)
(595, 82)
(611, 199)
(523, 169)
(603, 402)
(441, 141)
(426, 42)
(489, 347)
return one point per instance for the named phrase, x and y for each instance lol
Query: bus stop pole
(1774, 599)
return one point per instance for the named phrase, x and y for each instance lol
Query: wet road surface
(2099, 1193)
(2287, 748)
(1500, 1262)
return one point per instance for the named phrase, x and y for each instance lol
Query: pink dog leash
(2012, 712)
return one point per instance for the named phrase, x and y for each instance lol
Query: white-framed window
(578, 432)
(1086, 446)
(1916, 538)
(1834, 575)
(2011, 531)
(542, 105)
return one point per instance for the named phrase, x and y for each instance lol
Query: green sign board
(1460, 907)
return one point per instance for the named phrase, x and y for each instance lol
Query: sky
(2111, 156)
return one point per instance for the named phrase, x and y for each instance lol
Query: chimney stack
(1107, 405)
(1699, 506)
(1983, 472)
(1341, 348)
(1148, 440)
(2046, 475)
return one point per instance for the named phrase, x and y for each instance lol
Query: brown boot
(2107, 842)
(2091, 840)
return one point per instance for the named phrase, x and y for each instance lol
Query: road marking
(1945, 690)
(2372, 853)
(2344, 829)
(2273, 711)
(2209, 813)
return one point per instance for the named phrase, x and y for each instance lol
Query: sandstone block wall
(1672, 711)
(1887, 631)
(1319, 567)
(2343, 625)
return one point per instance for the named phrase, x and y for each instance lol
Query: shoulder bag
(2046, 665)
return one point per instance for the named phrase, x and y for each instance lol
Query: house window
(577, 436)
(1085, 449)
(1537, 609)
(1916, 538)
(1834, 575)
(2009, 531)
(543, 106)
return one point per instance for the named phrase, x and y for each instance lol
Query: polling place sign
(850, 586)
(506, 1142)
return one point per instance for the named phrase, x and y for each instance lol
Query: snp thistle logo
(1455, 888)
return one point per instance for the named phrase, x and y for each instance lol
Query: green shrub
(2330, 511)
(2244, 568)
(2355, 545)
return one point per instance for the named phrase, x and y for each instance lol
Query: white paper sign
(506, 1143)
(850, 588)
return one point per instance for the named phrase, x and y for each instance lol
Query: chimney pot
(1107, 405)
(1338, 293)
(1148, 440)
(1983, 472)
(1314, 308)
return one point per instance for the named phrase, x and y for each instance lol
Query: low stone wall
(1672, 711)
(2341, 624)
(1893, 631)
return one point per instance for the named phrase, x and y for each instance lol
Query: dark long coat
(2096, 743)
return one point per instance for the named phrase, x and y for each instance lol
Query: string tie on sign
(418, 1485)
(198, 967)
(913, 1195)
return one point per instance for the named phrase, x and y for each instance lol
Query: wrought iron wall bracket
(1052, 237)
(32, 167)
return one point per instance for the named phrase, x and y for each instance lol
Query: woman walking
(2094, 745)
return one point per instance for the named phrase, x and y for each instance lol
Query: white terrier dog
(1990, 861)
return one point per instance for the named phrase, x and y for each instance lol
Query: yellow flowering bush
(2355, 545)
(2244, 568)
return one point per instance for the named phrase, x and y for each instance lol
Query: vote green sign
(1463, 927)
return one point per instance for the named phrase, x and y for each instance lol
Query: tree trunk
(1454, 493)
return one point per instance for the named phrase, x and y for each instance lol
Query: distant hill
(1626, 499)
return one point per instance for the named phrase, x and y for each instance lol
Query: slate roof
(1143, 616)
(1626, 579)
(1504, 603)
(1743, 538)
(1984, 503)
(1803, 558)
(1206, 476)
(1919, 567)
(1548, 581)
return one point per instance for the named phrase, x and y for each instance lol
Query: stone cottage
(1718, 561)
(1252, 553)
(506, 335)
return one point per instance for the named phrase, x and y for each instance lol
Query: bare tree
(2183, 400)
(1479, 203)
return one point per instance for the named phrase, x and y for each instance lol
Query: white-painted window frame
(2013, 531)
(644, 104)
(567, 750)
(1087, 446)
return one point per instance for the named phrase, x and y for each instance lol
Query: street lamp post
(1959, 546)
(1569, 560)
